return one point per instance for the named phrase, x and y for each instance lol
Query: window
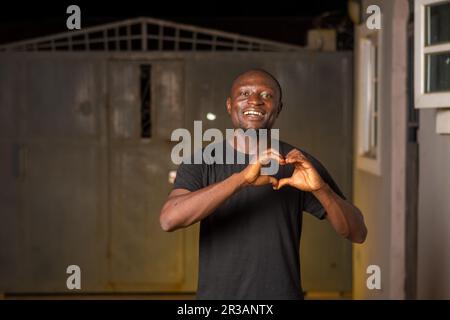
(145, 90)
(432, 54)
(368, 99)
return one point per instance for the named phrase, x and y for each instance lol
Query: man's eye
(266, 95)
(244, 93)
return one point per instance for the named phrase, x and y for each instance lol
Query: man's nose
(255, 99)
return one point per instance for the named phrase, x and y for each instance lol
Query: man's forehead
(254, 78)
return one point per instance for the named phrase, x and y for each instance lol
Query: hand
(252, 173)
(305, 177)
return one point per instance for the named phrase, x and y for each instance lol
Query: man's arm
(345, 218)
(184, 208)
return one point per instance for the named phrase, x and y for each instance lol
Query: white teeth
(253, 113)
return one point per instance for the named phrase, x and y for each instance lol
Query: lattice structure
(147, 34)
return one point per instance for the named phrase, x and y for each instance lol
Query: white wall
(381, 197)
(434, 210)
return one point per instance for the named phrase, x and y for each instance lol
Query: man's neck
(248, 144)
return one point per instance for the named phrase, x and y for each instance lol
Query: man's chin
(254, 126)
(258, 132)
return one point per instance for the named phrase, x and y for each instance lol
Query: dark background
(274, 20)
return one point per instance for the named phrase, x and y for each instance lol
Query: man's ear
(279, 108)
(229, 105)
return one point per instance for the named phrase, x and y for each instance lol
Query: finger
(282, 183)
(295, 153)
(272, 151)
(304, 158)
(273, 181)
(292, 153)
(294, 158)
(304, 161)
(263, 180)
(277, 152)
(264, 159)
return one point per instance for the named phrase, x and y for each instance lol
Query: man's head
(255, 100)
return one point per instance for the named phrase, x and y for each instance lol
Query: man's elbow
(360, 236)
(165, 226)
(166, 222)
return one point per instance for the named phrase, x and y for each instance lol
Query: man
(251, 223)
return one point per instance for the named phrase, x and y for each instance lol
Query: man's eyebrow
(266, 87)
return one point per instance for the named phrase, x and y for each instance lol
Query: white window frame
(365, 162)
(422, 99)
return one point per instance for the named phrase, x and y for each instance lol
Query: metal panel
(143, 257)
(10, 173)
(62, 99)
(63, 219)
(60, 217)
(168, 97)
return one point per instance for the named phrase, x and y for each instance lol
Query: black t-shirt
(249, 247)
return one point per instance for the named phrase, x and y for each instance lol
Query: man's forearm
(186, 209)
(346, 219)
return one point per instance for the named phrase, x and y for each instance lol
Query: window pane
(438, 23)
(438, 72)
(369, 94)
(146, 114)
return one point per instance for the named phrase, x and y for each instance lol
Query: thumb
(262, 180)
(282, 183)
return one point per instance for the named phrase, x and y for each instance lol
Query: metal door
(56, 215)
(142, 256)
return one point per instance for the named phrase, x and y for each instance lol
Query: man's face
(254, 102)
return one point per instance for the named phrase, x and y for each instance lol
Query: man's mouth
(253, 114)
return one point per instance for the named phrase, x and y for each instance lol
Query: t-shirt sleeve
(310, 203)
(189, 176)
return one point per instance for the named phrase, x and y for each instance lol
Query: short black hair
(271, 76)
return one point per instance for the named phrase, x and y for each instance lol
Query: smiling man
(250, 223)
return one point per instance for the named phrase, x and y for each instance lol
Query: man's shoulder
(206, 155)
(285, 148)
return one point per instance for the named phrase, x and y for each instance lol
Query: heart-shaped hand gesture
(305, 177)
(252, 174)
